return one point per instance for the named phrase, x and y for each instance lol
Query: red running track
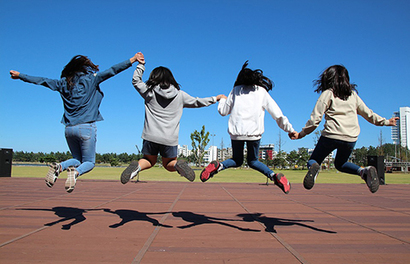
(174, 222)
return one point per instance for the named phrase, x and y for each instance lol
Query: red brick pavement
(170, 222)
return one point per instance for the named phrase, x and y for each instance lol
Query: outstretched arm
(137, 82)
(49, 83)
(196, 102)
(117, 68)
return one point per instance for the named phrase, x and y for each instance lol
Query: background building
(267, 152)
(183, 151)
(224, 154)
(211, 154)
(401, 132)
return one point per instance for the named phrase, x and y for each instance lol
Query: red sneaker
(282, 182)
(210, 171)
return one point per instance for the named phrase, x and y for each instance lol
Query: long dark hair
(77, 64)
(253, 77)
(163, 77)
(335, 77)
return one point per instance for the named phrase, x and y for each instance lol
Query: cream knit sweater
(341, 117)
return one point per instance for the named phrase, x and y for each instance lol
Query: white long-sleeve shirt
(246, 106)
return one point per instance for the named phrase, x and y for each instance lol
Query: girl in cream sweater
(340, 104)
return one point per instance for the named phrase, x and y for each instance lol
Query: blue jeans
(326, 145)
(253, 156)
(81, 140)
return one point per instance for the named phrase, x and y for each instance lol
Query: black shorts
(151, 148)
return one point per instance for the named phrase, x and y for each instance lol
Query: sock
(58, 170)
(135, 173)
(361, 172)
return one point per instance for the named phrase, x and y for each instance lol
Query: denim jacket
(82, 101)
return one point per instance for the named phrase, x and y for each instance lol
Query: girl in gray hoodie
(164, 102)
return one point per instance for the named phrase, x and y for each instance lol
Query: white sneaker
(52, 174)
(72, 174)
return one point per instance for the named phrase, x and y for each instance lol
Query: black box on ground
(6, 160)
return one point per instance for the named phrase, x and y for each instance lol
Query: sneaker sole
(51, 175)
(184, 170)
(372, 180)
(126, 174)
(281, 181)
(70, 182)
(310, 177)
(209, 172)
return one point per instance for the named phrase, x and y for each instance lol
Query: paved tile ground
(169, 222)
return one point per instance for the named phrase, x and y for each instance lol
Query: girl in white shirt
(246, 105)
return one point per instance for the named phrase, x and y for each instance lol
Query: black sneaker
(210, 170)
(130, 172)
(369, 175)
(310, 177)
(184, 170)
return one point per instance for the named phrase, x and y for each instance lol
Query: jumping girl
(164, 102)
(340, 104)
(82, 96)
(246, 105)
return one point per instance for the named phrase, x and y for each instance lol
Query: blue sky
(204, 43)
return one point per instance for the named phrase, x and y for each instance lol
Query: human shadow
(271, 222)
(199, 219)
(132, 215)
(66, 214)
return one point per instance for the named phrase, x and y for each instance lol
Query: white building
(211, 154)
(184, 151)
(395, 131)
(401, 132)
(224, 154)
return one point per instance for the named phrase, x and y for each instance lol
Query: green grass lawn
(230, 175)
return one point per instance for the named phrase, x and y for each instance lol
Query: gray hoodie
(163, 109)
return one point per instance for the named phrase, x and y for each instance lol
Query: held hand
(14, 74)
(219, 97)
(293, 135)
(393, 121)
(138, 57)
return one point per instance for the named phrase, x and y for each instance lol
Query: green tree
(292, 158)
(359, 156)
(125, 158)
(114, 162)
(280, 160)
(49, 159)
(303, 157)
(372, 151)
(199, 142)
